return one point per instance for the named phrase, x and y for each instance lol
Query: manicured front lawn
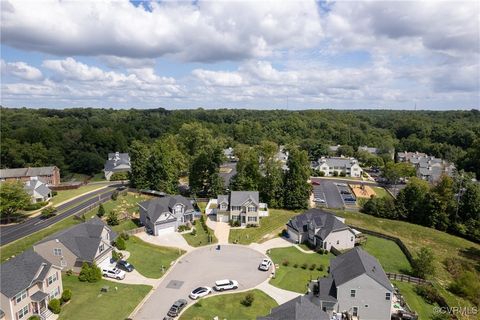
(414, 301)
(201, 238)
(63, 195)
(388, 254)
(296, 279)
(269, 228)
(148, 259)
(89, 303)
(228, 306)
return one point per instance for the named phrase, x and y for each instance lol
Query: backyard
(269, 228)
(414, 301)
(89, 303)
(228, 306)
(148, 259)
(295, 278)
(388, 253)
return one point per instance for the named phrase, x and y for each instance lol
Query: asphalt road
(14, 232)
(202, 267)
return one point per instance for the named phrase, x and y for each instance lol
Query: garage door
(164, 230)
(293, 235)
(222, 218)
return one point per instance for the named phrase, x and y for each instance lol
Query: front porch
(39, 306)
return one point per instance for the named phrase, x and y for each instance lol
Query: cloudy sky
(250, 54)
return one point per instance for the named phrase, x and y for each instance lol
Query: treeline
(78, 140)
(450, 205)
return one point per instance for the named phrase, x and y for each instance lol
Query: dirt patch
(362, 191)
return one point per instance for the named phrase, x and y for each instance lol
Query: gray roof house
(90, 241)
(300, 308)
(28, 283)
(116, 162)
(338, 165)
(37, 190)
(428, 168)
(321, 229)
(166, 214)
(242, 206)
(49, 175)
(357, 285)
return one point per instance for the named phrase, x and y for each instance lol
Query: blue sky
(251, 54)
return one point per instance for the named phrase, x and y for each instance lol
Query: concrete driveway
(202, 267)
(172, 239)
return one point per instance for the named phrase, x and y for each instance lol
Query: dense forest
(78, 140)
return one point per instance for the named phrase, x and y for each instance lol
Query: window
(236, 208)
(366, 306)
(252, 209)
(353, 293)
(235, 218)
(351, 239)
(338, 241)
(22, 295)
(23, 312)
(63, 263)
(101, 247)
(57, 252)
(52, 279)
(387, 296)
(252, 219)
(54, 293)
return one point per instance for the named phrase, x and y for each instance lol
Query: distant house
(28, 283)
(242, 206)
(47, 175)
(117, 162)
(38, 191)
(338, 165)
(227, 171)
(90, 242)
(229, 153)
(334, 149)
(428, 168)
(321, 229)
(300, 308)
(282, 157)
(356, 285)
(166, 214)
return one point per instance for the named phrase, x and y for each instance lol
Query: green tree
(410, 200)
(55, 306)
(203, 175)
(112, 218)
(394, 171)
(271, 182)
(423, 265)
(13, 198)
(120, 243)
(139, 161)
(296, 188)
(248, 170)
(101, 211)
(90, 273)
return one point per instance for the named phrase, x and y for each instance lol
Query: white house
(340, 165)
(38, 191)
(242, 206)
(116, 162)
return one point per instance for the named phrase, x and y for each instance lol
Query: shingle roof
(222, 198)
(354, 263)
(21, 271)
(157, 206)
(237, 198)
(338, 162)
(300, 308)
(83, 239)
(117, 161)
(326, 221)
(37, 186)
(27, 172)
(327, 289)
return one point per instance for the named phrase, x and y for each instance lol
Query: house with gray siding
(28, 283)
(300, 308)
(242, 206)
(339, 166)
(38, 191)
(357, 285)
(90, 242)
(166, 214)
(321, 229)
(116, 162)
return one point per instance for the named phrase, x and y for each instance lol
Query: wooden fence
(135, 231)
(406, 278)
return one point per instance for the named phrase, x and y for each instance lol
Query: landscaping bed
(200, 237)
(229, 306)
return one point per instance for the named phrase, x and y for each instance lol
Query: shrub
(248, 300)
(124, 235)
(112, 218)
(423, 264)
(320, 251)
(34, 317)
(118, 176)
(66, 295)
(194, 232)
(69, 272)
(55, 306)
(54, 193)
(35, 206)
(48, 212)
(101, 211)
(251, 225)
(295, 265)
(90, 273)
(320, 267)
(342, 174)
(114, 195)
(285, 263)
(183, 228)
(428, 292)
(120, 244)
(116, 255)
(466, 285)
(304, 266)
(313, 266)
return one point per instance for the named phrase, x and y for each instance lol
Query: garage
(164, 228)
(293, 235)
(223, 218)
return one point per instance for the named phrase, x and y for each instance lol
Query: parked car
(341, 184)
(177, 307)
(319, 200)
(345, 192)
(226, 284)
(200, 292)
(265, 265)
(113, 272)
(351, 199)
(125, 266)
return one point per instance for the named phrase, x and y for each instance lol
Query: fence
(134, 231)
(406, 278)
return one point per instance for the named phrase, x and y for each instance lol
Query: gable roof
(237, 198)
(27, 172)
(354, 263)
(222, 198)
(300, 308)
(325, 221)
(22, 271)
(35, 185)
(338, 162)
(157, 206)
(82, 239)
(117, 160)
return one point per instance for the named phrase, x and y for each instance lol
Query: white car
(200, 292)
(342, 184)
(265, 265)
(113, 272)
(226, 284)
(319, 200)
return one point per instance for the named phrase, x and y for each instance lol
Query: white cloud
(21, 70)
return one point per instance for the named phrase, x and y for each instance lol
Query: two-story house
(90, 242)
(28, 283)
(339, 166)
(357, 285)
(242, 206)
(116, 162)
(37, 190)
(166, 214)
(48, 175)
(321, 229)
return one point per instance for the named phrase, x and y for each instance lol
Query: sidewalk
(270, 244)
(279, 295)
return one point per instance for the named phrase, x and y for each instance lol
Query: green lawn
(89, 303)
(63, 195)
(202, 206)
(296, 279)
(388, 254)
(228, 306)
(414, 301)
(201, 238)
(381, 192)
(269, 228)
(148, 259)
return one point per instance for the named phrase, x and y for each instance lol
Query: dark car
(350, 199)
(125, 265)
(315, 183)
(345, 192)
(177, 307)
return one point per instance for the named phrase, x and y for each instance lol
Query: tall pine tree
(296, 187)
